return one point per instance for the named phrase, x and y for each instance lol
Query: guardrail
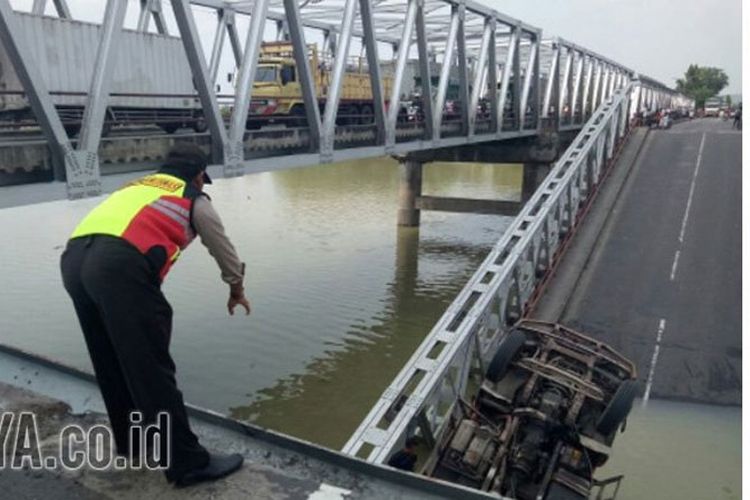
(422, 396)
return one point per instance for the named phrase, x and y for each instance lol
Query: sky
(658, 38)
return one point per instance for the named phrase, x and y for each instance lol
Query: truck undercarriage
(543, 420)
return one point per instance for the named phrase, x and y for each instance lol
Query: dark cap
(187, 161)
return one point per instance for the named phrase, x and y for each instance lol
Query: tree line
(703, 82)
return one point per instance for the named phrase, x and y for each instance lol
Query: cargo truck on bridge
(151, 84)
(277, 91)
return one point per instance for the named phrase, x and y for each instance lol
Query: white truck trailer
(152, 83)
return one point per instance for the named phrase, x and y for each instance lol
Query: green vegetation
(702, 82)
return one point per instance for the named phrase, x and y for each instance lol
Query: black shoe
(218, 466)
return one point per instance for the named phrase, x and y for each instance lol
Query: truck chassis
(544, 418)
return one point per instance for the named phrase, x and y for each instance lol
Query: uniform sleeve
(207, 224)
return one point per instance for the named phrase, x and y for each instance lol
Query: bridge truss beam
(499, 66)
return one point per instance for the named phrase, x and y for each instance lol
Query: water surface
(341, 297)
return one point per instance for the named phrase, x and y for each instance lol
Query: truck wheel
(299, 116)
(366, 115)
(346, 116)
(504, 355)
(169, 128)
(200, 125)
(618, 408)
(255, 123)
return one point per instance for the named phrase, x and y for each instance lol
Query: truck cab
(277, 91)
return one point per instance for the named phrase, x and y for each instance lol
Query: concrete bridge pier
(537, 154)
(412, 201)
(409, 190)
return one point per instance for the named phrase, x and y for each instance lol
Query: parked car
(544, 418)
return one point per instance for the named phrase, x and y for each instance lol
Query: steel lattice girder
(485, 46)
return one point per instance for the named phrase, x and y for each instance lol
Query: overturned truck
(543, 420)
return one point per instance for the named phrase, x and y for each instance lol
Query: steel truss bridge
(524, 82)
(529, 84)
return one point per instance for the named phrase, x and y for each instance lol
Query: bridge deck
(665, 269)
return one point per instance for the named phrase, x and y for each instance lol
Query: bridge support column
(407, 260)
(410, 188)
(533, 176)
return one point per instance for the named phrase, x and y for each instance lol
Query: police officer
(113, 267)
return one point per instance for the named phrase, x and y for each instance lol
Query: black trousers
(127, 324)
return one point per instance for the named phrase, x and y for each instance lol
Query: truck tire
(255, 122)
(347, 115)
(617, 409)
(200, 124)
(506, 352)
(169, 128)
(366, 115)
(299, 116)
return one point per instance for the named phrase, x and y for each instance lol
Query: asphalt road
(663, 284)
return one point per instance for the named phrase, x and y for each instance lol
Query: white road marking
(674, 265)
(692, 189)
(654, 359)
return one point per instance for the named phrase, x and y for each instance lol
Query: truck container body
(151, 83)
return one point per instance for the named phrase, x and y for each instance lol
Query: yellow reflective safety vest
(152, 213)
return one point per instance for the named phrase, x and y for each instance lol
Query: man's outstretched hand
(237, 297)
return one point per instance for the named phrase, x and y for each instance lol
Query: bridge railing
(578, 81)
(422, 396)
(650, 95)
